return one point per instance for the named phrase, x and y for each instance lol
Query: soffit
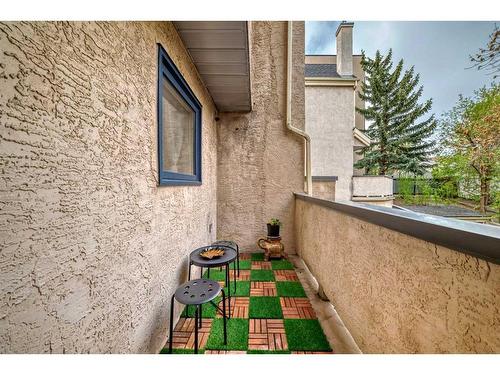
(219, 50)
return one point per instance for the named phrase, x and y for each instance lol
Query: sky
(438, 50)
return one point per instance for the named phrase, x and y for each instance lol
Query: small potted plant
(273, 228)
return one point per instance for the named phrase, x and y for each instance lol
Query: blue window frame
(179, 126)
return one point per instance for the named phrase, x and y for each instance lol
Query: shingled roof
(321, 70)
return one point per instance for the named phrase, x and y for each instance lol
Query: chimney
(344, 48)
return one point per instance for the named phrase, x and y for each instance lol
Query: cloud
(438, 50)
(320, 37)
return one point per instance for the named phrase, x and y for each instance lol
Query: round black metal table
(233, 245)
(223, 261)
(197, 292)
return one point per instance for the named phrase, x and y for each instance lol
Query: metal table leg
(171, 335)
(238, 258)
(224, 315)
(196, 329)
(228, 284)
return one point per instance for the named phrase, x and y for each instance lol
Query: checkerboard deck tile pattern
(261, 265)
(297, 308)
(285, 275)
(267, 334)
(239, 307)
(271, 332)
(244, 275)
(262, 288)
(184, 333)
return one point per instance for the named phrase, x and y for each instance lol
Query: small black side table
(229, 256)
(197, 292)
(233, 245)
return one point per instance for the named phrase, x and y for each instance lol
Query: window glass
(178, 132)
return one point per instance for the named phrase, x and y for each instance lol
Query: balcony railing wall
(396, 289)
(372, 186)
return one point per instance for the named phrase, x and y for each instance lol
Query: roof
(321, 70)
(325, 71)
(220, 51)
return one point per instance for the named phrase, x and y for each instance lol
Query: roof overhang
(220, 51)
(331, 81)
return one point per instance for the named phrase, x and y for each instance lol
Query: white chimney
(344, 48)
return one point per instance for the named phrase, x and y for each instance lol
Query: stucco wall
(358, 73)
(91, 247)
(396, 293)
(260, 162)
(372, 186)
(330, 122)
(324, 189)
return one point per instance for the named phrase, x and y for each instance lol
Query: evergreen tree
(400, 139)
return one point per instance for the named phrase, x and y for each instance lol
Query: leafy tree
(400, 139)
(470, 133)
(488, 58)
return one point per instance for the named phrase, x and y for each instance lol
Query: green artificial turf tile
(261, 275)
(290, 289)
(215, 274)
(242, 289)
(257, 256)
(208, 310)
(181, 351)
(268, 351)
(237, 335)
(265, 307)
(305, 334)
(282, 265)
(244, 265)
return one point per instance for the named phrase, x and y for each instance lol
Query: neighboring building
(336, 128)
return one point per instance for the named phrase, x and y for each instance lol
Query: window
(179, 127)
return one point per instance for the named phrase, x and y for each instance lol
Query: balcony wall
(260, 162)
(373, 189)
(91, 247)
(397, 293)
(372, 186)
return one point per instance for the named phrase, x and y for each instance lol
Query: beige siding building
(336, 128)
(332, 82)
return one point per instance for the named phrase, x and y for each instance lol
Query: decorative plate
(212, 253)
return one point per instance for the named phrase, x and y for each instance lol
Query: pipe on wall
(300, 132)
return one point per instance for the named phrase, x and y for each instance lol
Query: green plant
(470, 142)
(400, 128)
(496, 204)
(275, 221)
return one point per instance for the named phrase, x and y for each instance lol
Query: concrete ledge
(325, 178)
(479, 240)
(373, 198)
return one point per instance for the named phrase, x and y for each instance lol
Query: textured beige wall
(330, 122)
(91, 247)
(324, 189)
(260, 162)
(372, 186)
(396, 293)
(358, 73)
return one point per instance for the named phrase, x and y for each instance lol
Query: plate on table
(212, 253)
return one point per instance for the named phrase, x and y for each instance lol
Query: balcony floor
(270, 313)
